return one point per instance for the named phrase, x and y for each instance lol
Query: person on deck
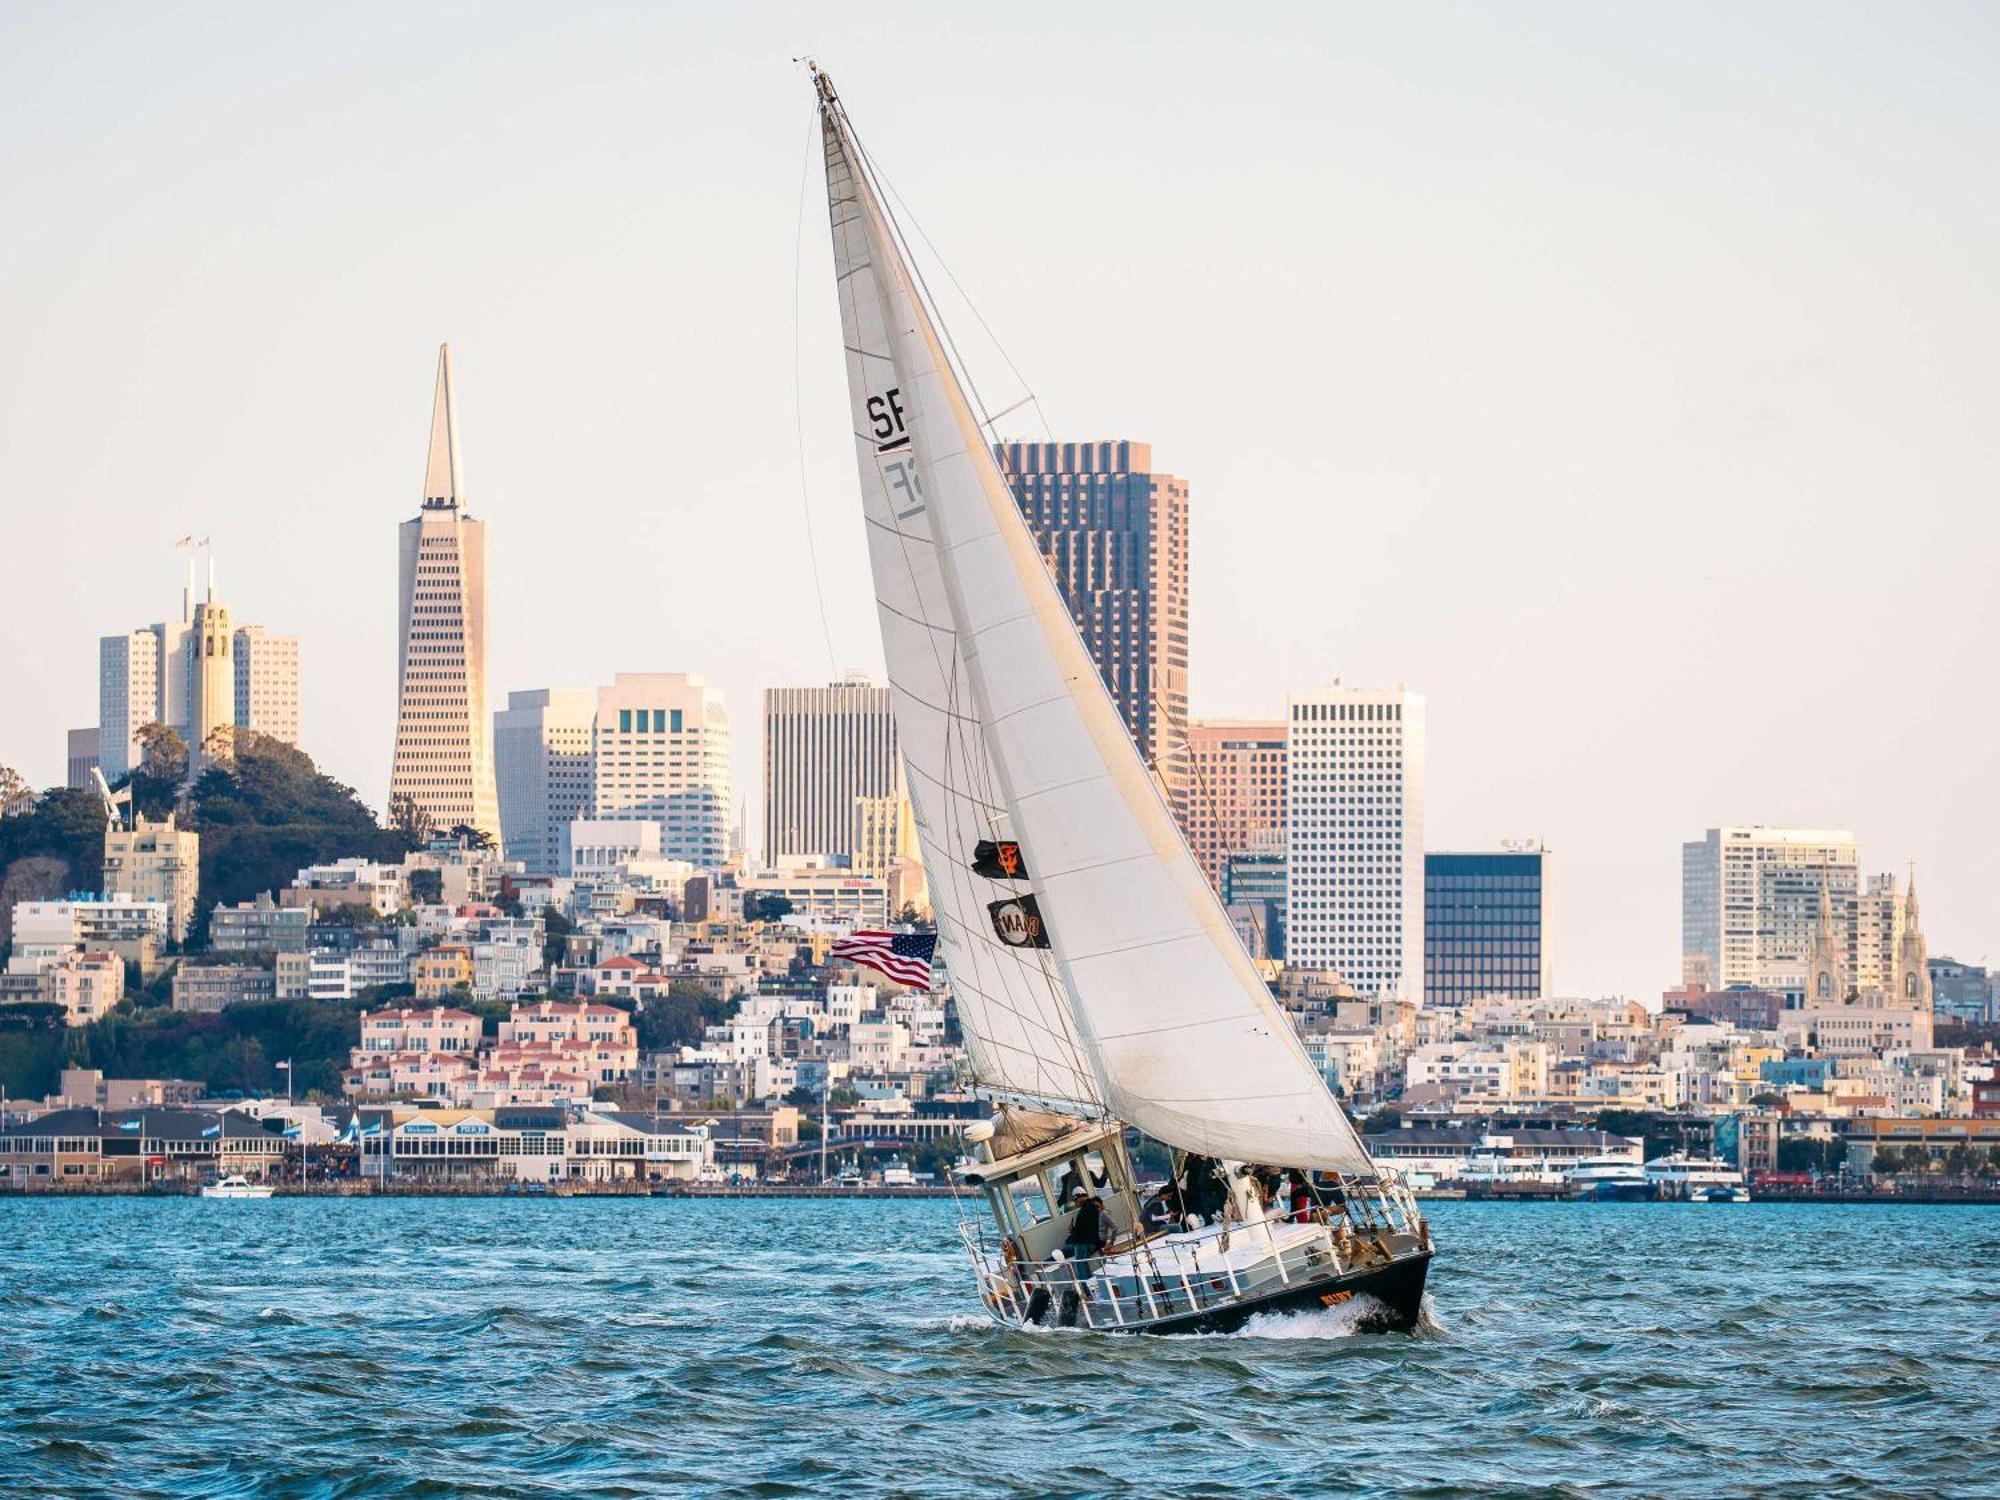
(1204, 1193)
(1299, 1197)
(1089, 1233)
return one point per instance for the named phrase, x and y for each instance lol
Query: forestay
(1012, 1007)
(1183, 1037)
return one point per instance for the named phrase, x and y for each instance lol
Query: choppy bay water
(777, 1348)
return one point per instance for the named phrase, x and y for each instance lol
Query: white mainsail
(1013, 1010)
(1182, 1036)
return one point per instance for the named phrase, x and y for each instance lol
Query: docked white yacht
(1098, 981)
(236, 1185)
(1679, 1175)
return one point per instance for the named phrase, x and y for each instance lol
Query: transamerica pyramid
(444, 734)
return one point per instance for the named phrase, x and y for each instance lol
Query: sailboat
(1099, 984)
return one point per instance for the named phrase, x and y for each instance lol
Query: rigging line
(920, 292)
(1051, 996)
(966, 755)
(1290, 1029)
(1055, 988)
(798, 390)
(970, 306)
(954, 357)
(1214, 813)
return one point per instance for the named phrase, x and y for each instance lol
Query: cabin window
(1086, 1171)
(1031, 1201)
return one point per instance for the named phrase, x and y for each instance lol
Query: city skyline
(1669, 443)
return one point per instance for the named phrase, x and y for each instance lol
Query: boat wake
(1361, 1316)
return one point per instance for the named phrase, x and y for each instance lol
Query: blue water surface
(624, 1347)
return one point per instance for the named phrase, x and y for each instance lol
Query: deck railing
(1165, 1275)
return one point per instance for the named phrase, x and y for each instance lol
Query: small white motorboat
(236, 1185)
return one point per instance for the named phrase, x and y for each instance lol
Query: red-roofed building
(548, 1052)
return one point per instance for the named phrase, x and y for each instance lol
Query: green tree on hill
(16, 796)
(675, 1019)
(66, 824)
(409, 822)
(157, 782)
(268, 812)
(33, 1042)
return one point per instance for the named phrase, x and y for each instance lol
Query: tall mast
(1183, 1037)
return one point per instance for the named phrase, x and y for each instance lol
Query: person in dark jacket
(1204, 1193)
(1089, 1233)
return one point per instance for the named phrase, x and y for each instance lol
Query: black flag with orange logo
(999, 860)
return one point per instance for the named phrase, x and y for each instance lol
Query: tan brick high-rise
(1235, 801)
(1116, 537)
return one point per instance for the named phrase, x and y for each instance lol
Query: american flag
(903, 956)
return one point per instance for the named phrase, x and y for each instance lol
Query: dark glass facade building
(1485, 931)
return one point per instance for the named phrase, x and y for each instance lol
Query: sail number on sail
(885, 412)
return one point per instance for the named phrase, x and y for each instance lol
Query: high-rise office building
(1751, 899)
(660, 754)
(1486, 925)
(129, 696)
(267, 683)
(825, 748)
(444, 744)
(1354, 838)
(1115, 534)
(541, 762)
(1235, 789)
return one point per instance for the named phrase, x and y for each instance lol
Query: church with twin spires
(1868, 981)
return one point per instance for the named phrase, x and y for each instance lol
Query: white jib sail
(1184, 1038)
(1012, 1006)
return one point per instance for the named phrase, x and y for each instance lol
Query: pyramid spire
(444, 473)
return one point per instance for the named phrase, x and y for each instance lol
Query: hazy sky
(1622, 380)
